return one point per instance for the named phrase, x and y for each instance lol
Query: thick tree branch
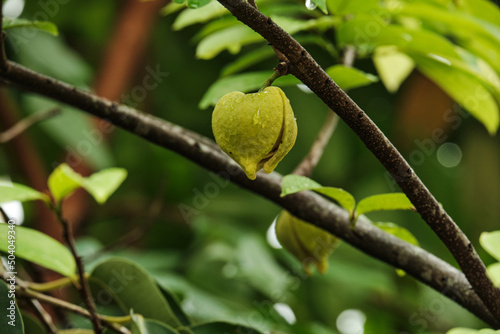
(305, 205)
(305, 68)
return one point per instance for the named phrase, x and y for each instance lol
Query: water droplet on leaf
(310, 4)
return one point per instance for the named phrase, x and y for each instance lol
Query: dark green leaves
(153, 311)
(11, 323)
(130, 285)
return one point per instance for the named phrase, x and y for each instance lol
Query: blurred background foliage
(209, 242)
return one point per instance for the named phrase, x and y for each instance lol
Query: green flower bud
(308, 243)
(255, 130)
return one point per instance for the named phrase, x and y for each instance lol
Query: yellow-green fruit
(308, 243)
(255, 130)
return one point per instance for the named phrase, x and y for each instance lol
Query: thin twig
(305, 205)
(349, 56)
(44, 316)
(306, 69)
(27, 122)
(54, 284)
(84, 286)
(110, 322)
(310, 161)
(24, 291)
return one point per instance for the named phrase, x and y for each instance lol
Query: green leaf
(342, 7)
(175, 306)
(46, 26)
(149, 326)
(39, 248)
(462, 331)
(197, 3)
(258, 266)
(472, 331)
(63, 181)
(76, 331)
(426, 46)
(295, 183)
(494, 273)
(19, 192)
(490, 241)
(292, 184)
(248, 59)
(31, 324)
(246, 82)
(231, 39)
(392, 66)
(405, 39)
(129, 284)
(192, 16)
(344, 198)
(321, 5)
(103, 184)
(222, 327)
(171, 8)
(398, 231)
(483, 9)
(208, 304)
(12, 322)
(234, 37)
(457, 23)
(393, 201)
(464, 88)
(484, 49)
(350, 77)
